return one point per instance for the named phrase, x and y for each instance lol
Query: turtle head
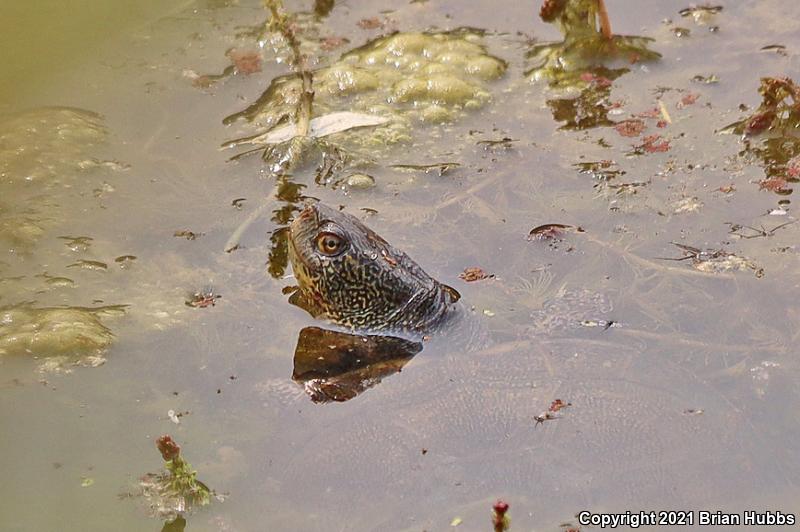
(359, 280)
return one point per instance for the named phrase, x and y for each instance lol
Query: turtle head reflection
(338, 366)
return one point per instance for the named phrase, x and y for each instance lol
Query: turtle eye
(330, 244)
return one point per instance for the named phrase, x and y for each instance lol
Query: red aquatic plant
(500, 520)
(168, 448)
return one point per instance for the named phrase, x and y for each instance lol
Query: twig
(605, 22)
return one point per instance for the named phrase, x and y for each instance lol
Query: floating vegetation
(40, 150)
(778, 113)
(585, 45)
(47, 144)
(770, 134)
(175, 492)
(61, 337)
(586, 62)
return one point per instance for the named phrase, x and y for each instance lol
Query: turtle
(353, 278)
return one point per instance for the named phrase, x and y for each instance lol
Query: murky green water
(682, 378)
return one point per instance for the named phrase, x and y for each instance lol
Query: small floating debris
(686, 205)
(125, 261)
(331, 43)
(203, 299)
(604, 170)
(715, 260)
(552, 231)
(701, 14)
(747, 232)
(506, 143)
(605, 324)
(439, 168)
(556, 406)
(77, 243)
(188, 235)
(706, 80)
(93, 265)
(777, 48)
(245, 62)
(360, 181)
(473, 274)
(688, 99)
(370, 23)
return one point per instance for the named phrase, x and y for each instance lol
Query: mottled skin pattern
(359, 281)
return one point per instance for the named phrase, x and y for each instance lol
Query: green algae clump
(47, 143)
(409, 71)
(61, 336)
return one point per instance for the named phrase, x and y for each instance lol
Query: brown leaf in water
(630, 128)
(370, 23)
(774, 184)
(687, 100)
(557, 405)
(793, 167)
(601, 82)
(470, 275)
(759, 122)
(655, 112)
(331, 43)
(654, 143)
(246, 61)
